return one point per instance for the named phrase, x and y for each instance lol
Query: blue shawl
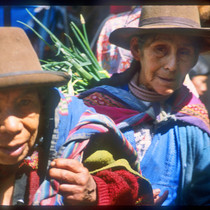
(184, 120)
(72, 125)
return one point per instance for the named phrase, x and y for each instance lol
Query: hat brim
(122, 36)
(34, 78)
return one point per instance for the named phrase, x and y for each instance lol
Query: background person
(162, 119)
(116, 59)
(53, 149)
(111, 57)
(199, 75)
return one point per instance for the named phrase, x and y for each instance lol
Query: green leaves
(78, 61)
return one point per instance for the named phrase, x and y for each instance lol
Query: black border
(104, 2)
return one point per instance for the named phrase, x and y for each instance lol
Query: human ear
(134, 48)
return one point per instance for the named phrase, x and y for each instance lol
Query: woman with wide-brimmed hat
(54, 150)
(166, 124)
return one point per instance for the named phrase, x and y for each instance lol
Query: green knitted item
(102, 160)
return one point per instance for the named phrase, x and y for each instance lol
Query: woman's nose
(11, 124)
(203, 88)
(171, 63)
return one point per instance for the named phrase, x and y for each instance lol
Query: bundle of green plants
(78, 60)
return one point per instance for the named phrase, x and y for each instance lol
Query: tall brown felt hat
(173, 19)
(19, 63)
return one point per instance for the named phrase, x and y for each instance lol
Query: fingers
(159, 200)
(156, 192)
(68, 164)
(69, 171)
(74, 194)
(77, 186)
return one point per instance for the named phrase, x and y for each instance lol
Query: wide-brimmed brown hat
(19, 63)
(173, 19)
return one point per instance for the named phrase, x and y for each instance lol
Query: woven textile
(73, 145)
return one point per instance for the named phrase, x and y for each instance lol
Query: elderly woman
(42, 129)
(166, 124)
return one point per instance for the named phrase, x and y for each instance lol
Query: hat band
(168, 20)
(22, 73)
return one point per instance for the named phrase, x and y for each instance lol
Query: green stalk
(36, 33)
(43, 26)
(84, 46)
(81, 65)
(88, 47)
(81, 70)
(82, 20)
(53, 37)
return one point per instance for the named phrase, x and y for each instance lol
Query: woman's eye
(185, 52)
(161, 50)
(24, 102)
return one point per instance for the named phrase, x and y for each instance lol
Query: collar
(142, 93)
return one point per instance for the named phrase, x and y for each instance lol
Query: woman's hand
(158, 200)
(76, 184)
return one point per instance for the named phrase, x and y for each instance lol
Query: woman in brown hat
(166, 124)
(41, 129)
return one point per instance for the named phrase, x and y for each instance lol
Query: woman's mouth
(168, 80)
(13, 151)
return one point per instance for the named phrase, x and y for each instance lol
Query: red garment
(116, 188)
(119, 9)
(113, 188)
(33, 185)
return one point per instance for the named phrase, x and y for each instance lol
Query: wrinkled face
(165, 61)
(200, 83)
(19, 121)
